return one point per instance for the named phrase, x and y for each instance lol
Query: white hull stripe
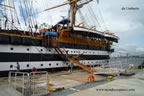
(7, 66)
(43, 50)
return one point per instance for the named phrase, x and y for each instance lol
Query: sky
(127, 24)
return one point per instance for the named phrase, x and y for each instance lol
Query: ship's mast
(74, 8)
(73, 13)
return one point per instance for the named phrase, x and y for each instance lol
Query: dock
(131, 86)
(9, 92)
(73, 86)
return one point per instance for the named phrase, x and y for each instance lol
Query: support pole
(48, 86)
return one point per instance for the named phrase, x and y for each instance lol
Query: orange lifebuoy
(34, 69)
(90, 78)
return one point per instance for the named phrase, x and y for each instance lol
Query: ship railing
(8, 25)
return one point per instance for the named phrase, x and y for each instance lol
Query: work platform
(107, 71)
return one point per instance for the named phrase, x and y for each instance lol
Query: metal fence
(29, 83)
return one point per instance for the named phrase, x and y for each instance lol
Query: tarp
(50, 33)
(64, 21)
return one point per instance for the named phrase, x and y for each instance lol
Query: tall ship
(43, 47)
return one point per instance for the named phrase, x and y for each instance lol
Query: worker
(18, 67)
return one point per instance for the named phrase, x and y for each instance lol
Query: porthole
(66, 63)
(49, 64)
(11, 66)
(71, 51)
(41, 50)
(57, 64)
(27, 65)
(49, 50)
(12, 48)
(41, 64)
(27, 49)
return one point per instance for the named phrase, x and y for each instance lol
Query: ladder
(75, 60)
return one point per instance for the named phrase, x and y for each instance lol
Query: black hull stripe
(78, 46)
(14, 40)
(14, 57)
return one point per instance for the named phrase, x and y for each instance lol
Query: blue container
(50, 33)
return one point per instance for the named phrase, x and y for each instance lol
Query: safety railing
(112, 67)
(18, 80)
(39, 84)
(28, 84)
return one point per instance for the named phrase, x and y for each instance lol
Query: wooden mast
(73, 8)
(72, 13)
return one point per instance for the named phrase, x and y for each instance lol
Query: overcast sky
(127, 24)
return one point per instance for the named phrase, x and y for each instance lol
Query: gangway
(75, 59)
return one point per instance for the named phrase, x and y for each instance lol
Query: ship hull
(45, 58)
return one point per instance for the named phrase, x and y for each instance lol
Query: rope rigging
(23, 15)
(12, 22)
(34, 17)
(83, 18)
(102, 19)
(28, 15)
(16, 13)
(94, 16)
(5, 15)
